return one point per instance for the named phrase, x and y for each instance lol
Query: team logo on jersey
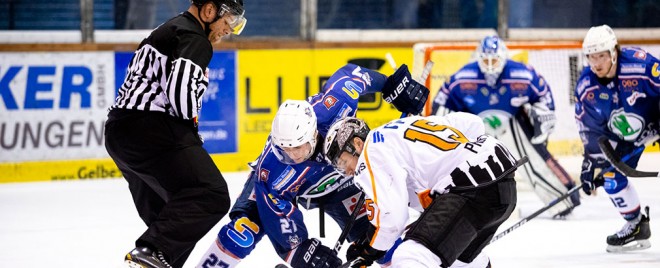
(519, 86)
(294, 241)
(378, 137)
(467, 86)
(349, 204)
(493, 99)
(493, 121)
(590, 96)
(328, 183)
(626, 125)
(352, 89)
(361, 167)
(655, 71)
(640, 54)
(276, 202)
(263, 174)
(635, 68)
(629, 84)
(519, 101)
(329, 101)
(469, 100)
(284, 178)
(525, 74)
(634, 96)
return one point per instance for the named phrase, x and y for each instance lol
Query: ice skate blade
(632, 246)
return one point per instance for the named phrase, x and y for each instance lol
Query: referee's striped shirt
(168, 72)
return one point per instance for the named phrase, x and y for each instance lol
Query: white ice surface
(94, 223)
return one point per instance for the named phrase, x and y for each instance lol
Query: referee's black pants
(177, 189)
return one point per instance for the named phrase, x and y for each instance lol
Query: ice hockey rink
(94, 223)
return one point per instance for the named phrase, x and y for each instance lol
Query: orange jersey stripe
(373, 187)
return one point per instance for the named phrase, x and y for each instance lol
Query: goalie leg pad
(545, 177)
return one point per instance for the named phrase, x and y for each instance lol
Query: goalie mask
(340, 137)
(491, 56)
(293, 132)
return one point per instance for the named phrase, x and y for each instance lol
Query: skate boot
(634, 235)
(142, 257)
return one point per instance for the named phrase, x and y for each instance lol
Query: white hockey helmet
(294, 125)
(491, 56)
(599, 39)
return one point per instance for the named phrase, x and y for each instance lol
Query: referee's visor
(236, 19)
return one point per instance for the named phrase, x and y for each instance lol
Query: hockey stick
(556, 201)
(349, 224)
(619, 164)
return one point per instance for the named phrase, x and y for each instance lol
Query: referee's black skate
(142, 257)
(634, 235)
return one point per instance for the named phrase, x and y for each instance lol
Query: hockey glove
(404, 93)
(589, 183)
(312, 253)
(363, 254)
(543, 120)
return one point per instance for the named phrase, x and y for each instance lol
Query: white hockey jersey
(406, 159)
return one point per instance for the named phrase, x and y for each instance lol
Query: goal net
(560, 63)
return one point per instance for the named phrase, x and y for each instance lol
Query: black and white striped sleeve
(185, 88)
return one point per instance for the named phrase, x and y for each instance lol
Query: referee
(151, 133)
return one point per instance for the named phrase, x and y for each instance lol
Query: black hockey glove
(404, 93)
(312, 253)
(363, 254)
(589, 183)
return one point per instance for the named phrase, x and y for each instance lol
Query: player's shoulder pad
(469, 71)
(586, 80)
(518, 70)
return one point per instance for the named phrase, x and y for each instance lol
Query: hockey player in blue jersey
(617, 97)
(517, 107)
(292, 171)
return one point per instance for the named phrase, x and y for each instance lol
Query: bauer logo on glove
(404, 82)
(406, 94)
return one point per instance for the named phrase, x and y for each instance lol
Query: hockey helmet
(599, 39)
(339, 138)
(234, 7)
(491, 57)
(294, 125)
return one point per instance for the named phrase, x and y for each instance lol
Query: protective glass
(236, 20)
(293, 155)
(599, 58)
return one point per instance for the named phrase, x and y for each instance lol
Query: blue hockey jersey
(279, 184)
(626, 108)
(518, 84)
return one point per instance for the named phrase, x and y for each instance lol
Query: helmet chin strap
(614, 60)
(207, 25)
